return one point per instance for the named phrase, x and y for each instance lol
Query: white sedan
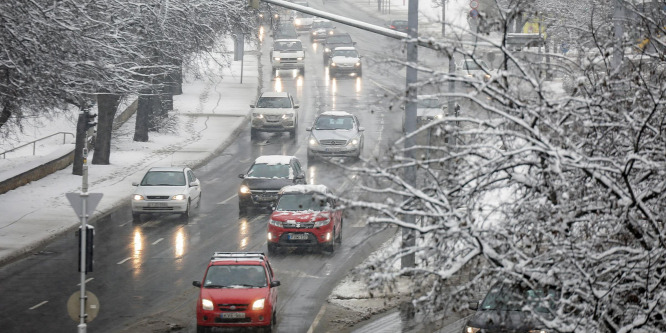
(166, 190)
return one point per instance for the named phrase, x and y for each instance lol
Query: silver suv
(274, 112)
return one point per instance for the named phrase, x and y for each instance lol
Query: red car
(238, 290)
(305, 215)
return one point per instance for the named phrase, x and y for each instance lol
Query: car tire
(253, 133)
(272, 248)
(185, 216)
(199, 200)
(242, 210)
(203, 329)
(292, 133)
(311, 159)
(359, 74)
(302, 70)
(136, 217)
(339, 238)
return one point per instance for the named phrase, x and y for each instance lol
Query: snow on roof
(287, 40)
(345, 48)
(166, 169)
(273, 159)
(304, 188)
(335, 113)
(275, 94)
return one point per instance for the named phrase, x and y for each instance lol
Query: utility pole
(408, 235)
(618, 23)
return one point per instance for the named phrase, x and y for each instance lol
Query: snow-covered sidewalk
(213, 106)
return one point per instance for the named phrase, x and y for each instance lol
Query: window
(269, 171)
(220, 276)
(274, 102)
(163, 178)
(303, 201)
(334, 123)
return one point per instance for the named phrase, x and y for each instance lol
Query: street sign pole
(82, 234)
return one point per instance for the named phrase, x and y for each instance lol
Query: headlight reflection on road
(242, 233)
(261, 33)
(179, 243)
(278, 84)
(137, 253)
(313, 173)
(358, 85)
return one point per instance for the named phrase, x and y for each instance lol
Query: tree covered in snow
(552, 184)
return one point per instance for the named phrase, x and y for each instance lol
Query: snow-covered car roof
(335, 113)
(275, 94)
(344, 48)
(302, 188)
(273, 159)
(167, 169)
(291, 40)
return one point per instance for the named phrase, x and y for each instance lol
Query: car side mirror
(252, 106)
(196, 284)
(361, 129)
(135, 184)
(194, 183)
(473, 305)
(353, 43)
(275, 283)
(296, 106)
(301, 176)
(309, 129)
(242, 176)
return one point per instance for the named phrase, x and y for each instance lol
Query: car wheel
(199, 200)
(253, 133)
(136, 217)
(203, 329)
(186, 215)
(359, 74)
(302, 70)
(242, 210)
(339, 238)
(292, 133)
(272, 248)
(311, 159)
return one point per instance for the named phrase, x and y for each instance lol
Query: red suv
(238, 290)
(305, 215)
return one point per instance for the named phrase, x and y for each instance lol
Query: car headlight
(313, 142)
(314, 33)
(537, 331)
(258, 304)
(178, 197)
(322, 223)
(333, 64)
(138, 197)
(299, 58)
(331, 32)
(297, 22)
(258, 115)
(327, 50)
(354, 142)
(261, 15)
(207, 304)
(276, 15)
(244, 189)
(275, 223)
(439, 116)
(358, 64)
(288, 116)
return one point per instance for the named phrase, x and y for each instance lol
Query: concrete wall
(58, 163)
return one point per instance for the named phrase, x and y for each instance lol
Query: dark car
(321, 29)
(399, 25)
(334, 41)
(511, 307)
(267, 175)
(285, 30)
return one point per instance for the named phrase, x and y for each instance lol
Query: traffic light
(89, 234)
(254, 4)
(90, 120)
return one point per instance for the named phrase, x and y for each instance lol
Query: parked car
(334, 41)
(399, 25)
(274, 112)
(509, 307)
(474, 68)
(264, 179)
(305, 215)
(344, 60)
(166, 190)
(321, 29)
(287, 54)
(335, 133)
(303, 22)
(238, 290)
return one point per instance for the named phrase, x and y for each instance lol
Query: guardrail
(34, 143)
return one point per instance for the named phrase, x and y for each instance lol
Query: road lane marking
(38, 305)
(123, 261)
(157, 241)
(227, 199)
(88, 280)
(315, 323)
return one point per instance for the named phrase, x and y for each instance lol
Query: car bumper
(287, 65)
(347, 70)
(300, 237)
(214, 318)
(258, 199)
(148, 206)
(334, 151)
(273, 126)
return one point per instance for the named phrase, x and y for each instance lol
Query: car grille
(157, 197)
(232, 320)
(288, 60)
(158, 208)
(232, 307)
(272, 117)
(312, 240)
(333, 142)
(298, 225)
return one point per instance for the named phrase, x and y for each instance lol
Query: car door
(273, 292)
(194, 191)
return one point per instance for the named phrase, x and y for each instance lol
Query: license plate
(231, 315)
(298, 236)
(157, 204)
(333, 150)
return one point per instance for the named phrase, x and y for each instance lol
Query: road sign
(474, 13)
(74, 306)
(474, 4)
(76, 200)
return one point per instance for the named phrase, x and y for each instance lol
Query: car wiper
(165, 185)
(215, 286)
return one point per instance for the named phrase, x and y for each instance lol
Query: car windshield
(302, 201)
(288, 46)
(344, 53)
(429, 103)
(334, 123)
(274, 102)
(322, 24)
(472, 65)
(263, 170)
(399, 23)
(341, 39)
(229, 276)
(515, 298)
(163, 178)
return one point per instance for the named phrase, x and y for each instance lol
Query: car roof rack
(238, 255)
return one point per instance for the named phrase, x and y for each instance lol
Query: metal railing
(34, 143)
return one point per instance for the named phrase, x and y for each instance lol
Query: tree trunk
(143, 115)
(77, 168)
(157, 113)
(176, 78)
(107, 105)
